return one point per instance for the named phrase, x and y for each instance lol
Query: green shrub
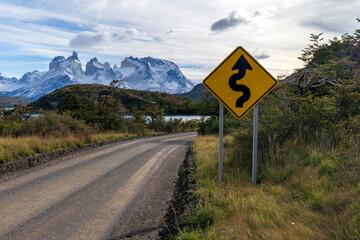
(209, 126)
(173, 125)
(52, 124)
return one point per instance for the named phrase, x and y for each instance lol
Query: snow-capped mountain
(148, 74)
(7, 84)
(153, 74)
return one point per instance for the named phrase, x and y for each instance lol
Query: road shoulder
(152, 216)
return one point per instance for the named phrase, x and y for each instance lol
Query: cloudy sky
(195, 34)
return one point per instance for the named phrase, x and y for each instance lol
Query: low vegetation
(308, 184)
(304, 192)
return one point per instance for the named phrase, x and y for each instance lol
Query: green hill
(8, 101)
(195, 94)
(132, 100)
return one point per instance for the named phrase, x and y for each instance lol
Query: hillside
(8, 101)
(132, 100)
(195, 94)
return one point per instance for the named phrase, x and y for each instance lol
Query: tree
(157, 121)
(103, 110)
(308, 53)
(336, 63)
(209, 105)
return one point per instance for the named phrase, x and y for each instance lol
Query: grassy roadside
(305, 193)
(21, 137)
(18, 147)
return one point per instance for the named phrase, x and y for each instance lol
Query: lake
(167, 117)
(183, 117)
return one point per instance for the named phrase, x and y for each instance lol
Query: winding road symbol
(239, 82)
(242, 65)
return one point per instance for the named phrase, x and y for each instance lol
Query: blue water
(183, 117)
(167, 117)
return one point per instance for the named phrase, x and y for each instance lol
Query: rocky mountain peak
(149, 74)
(154, 61)
(60, 63)
(93, 60)
(73, 57)
(93, 66)
(54, 64)
(128, 62)
(58, 59)
(154, 74)
(107, 65)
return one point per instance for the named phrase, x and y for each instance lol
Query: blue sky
(195, 34)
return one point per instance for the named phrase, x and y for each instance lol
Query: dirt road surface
(118, 191)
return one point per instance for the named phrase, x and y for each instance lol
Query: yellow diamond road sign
(239, 82)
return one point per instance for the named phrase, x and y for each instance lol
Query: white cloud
(174, 31)
(131, 32)
(233, 19)
(158, 39)
(257, 54)
(31, 33)
(12, 11)
(88, 40)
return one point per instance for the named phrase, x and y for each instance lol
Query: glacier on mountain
(149, 74)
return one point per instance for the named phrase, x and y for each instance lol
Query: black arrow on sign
(242, 65)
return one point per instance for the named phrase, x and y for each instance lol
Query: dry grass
(310, 204)
(12, 148)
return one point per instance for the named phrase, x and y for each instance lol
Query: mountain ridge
(195, 94)
(149, 74)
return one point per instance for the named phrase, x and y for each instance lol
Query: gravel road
(118, 191)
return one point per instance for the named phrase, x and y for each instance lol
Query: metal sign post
(221, 142)
(255, 142)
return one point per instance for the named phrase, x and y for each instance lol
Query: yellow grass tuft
(12, 148)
